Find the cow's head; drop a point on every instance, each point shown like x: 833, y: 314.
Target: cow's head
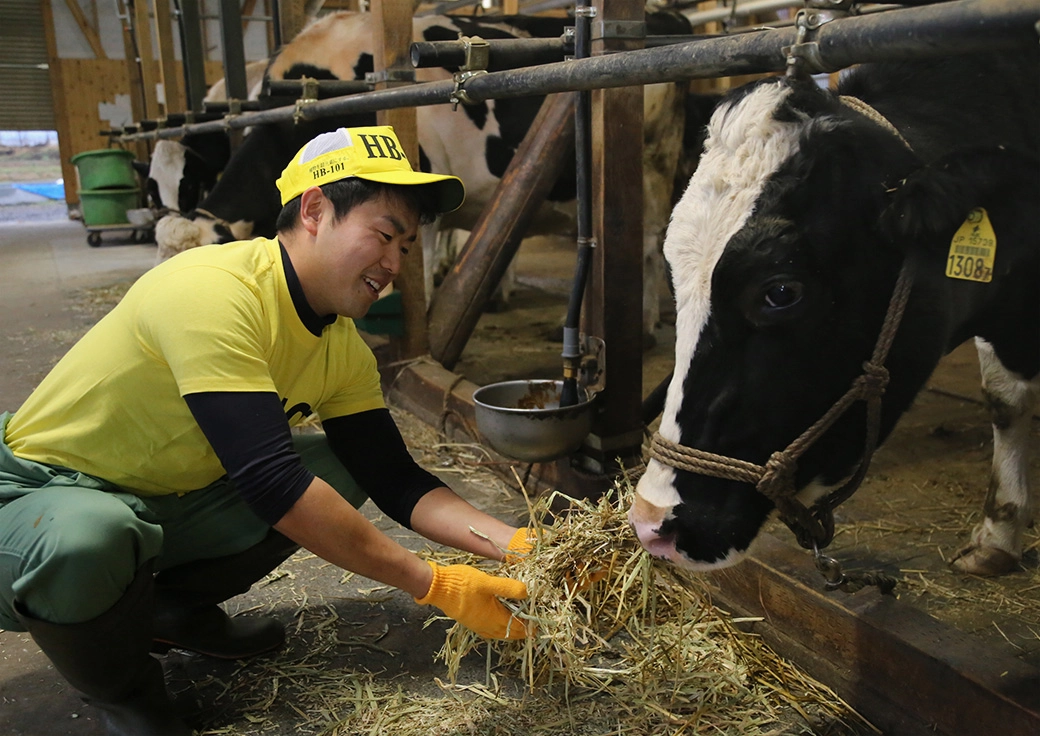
x: 782, y: 277
x: 183, y: 173
x: 175, y: 233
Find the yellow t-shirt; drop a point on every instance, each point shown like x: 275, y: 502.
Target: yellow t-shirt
x: 216, y: 318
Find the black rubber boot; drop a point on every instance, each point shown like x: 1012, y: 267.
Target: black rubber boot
x: 187, y: 614
x: 107, y: 659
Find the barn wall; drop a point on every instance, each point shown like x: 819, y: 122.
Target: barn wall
x: 90, y: 78
x: 95, y: 95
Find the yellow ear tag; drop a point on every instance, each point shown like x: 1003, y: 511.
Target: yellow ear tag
x: 972, y: 249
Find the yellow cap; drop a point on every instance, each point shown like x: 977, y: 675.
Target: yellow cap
x: 371, y: 153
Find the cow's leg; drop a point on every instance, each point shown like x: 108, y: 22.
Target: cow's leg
x: 996, y: 542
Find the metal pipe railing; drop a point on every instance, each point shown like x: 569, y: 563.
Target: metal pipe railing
x: 958, y: 27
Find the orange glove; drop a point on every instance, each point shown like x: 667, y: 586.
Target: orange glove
x: 520, y: 545
x: 584, y: 575
x: 468, y: 595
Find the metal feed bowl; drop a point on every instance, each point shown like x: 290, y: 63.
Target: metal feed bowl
x: 523, y: 419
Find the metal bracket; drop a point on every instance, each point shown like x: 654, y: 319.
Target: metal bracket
x: 308, y: 95
x: 234, y: 110
x: 803, y: 56
x: 372, y: 79
x: 478, y: 53
x: 585, y: 11
x: 628, y: 30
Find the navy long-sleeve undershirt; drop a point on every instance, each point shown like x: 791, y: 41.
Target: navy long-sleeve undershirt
x: 250, y: 435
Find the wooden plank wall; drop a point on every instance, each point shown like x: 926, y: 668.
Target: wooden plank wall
x: 84, y: 85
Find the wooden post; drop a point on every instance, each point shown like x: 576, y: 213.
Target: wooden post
x: 89, y: 31
x: 143, y: 36
x: 292, y: 17
x: 61, y: 115
x: 496, y: 236
x: 135, y: 84
x: 171, y: 81
x: 393, y: 41
x: 613, y: 307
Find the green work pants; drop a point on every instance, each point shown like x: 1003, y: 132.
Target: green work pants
x: 70, y: 544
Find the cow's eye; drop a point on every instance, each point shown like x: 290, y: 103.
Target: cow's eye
x: 774, y: 301
x: 782, y: 294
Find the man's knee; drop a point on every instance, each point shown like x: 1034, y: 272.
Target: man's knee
x: 80, y: 555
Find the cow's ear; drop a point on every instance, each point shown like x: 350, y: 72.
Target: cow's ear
x: 928, y: 206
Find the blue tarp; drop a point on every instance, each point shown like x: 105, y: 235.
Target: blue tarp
x: 51, y: 190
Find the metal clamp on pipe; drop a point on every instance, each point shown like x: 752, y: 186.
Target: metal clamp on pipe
x: 803, y: 56
x: 234, y: 110
x: 477, y: 55
x: 308, y: 95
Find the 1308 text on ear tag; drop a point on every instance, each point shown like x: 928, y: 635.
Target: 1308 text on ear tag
x: 972, y: 249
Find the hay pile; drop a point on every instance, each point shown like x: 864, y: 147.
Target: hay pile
x: 644, y: 643
x: 641, y: 652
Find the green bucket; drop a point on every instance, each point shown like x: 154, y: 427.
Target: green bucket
x: 108, y: 206
x: 105, y: 168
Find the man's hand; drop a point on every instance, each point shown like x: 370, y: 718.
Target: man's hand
x: 519, y: 546
x: 578, y: 580
x: 470, y: 596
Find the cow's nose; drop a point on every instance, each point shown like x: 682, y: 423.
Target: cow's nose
x: 646, y: 523
x: 658, y: 545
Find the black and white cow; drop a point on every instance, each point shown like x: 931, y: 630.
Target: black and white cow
x: 784, y: 250
x: 475, y: 143
x: 182, y: 173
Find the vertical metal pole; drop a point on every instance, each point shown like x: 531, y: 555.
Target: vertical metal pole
x: 572, y: 351
x: 193, y: 56
x: 234, y: 49
x: 276, y: 25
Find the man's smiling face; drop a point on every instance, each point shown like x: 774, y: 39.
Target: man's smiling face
x: 361, y: 253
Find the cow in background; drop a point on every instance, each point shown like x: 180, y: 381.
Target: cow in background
x: 784, y: 251
x: 475, y: 143
x: 181, y: 173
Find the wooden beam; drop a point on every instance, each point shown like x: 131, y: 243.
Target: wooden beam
x: 88, y: 31
x: 496, y: 236
x: 146, y: 58
x: 247, y: 9
x: 614, y: 298
x: 171, y: 80
x: 393, y: 42
x: 292, y: 17
x: 905, y: 671
x: 61, y: 112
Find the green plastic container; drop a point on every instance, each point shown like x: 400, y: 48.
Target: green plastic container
x: 108, y: 206
x: 107, y: 168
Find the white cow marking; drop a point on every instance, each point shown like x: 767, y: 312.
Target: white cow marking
x: 745, y: 146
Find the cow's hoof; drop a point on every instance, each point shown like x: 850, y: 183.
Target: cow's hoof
x: 984, y: 561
